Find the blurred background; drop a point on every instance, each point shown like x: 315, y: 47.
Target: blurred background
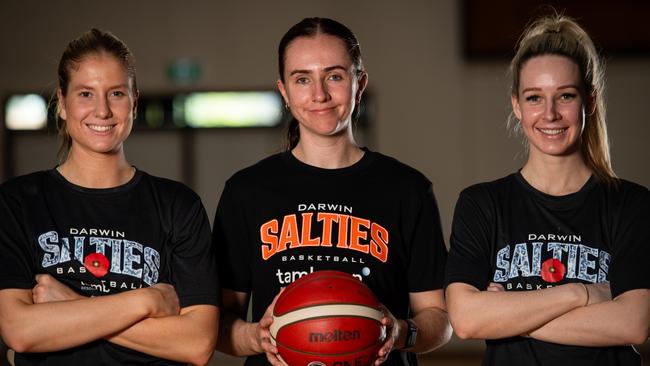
x: 437, y: 96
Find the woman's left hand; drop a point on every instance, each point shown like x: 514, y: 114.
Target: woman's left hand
x: 392, y: 334
x: 48, y: 289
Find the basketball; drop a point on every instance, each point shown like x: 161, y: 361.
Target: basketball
x: 327, y: 318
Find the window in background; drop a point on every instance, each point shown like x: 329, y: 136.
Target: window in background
x: 26, y: 112
x: 229, y: 109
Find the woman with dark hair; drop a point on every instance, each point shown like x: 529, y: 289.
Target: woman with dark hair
x: 326, y: 203
x: 100, y: 260
x: 550, y: 264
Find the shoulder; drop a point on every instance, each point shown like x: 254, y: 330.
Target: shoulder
x: 490, y: 189
x: 391, y: 168
x: 626, y: 193
x: 29, y: 184
x: 168, y: 188
x: 251, y: 175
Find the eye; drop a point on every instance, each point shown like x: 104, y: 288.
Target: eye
x: 302, y: 81
x: 533, y: 98
x: 568, y: 96
x: 118, y: 93
x: 85, y: 94
x: 335, y: 77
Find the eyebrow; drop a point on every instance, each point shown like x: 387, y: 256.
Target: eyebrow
x: 567, y: 86
x: 327, y: 69
x: 118, y: 86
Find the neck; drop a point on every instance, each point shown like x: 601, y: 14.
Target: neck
x: 556, y: 175
x: 333, y: 152
x: 97, y: 170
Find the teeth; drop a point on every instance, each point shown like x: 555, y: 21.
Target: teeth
x: 99, y: 128
x: 553, y: 131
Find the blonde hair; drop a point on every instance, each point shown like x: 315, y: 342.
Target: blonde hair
x: 561, y: 35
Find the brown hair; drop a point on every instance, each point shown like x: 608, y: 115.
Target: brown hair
x: 563, y: 36
x: 310, y: 27
x: 94, y: 41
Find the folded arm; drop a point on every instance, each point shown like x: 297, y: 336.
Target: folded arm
x: 190, y: 336
x: 54, y: 326
x: 187, y: 337
x: 623, y: 320
x: 479, y: 314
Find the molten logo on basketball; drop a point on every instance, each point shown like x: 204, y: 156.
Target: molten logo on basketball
x: 335, y: 336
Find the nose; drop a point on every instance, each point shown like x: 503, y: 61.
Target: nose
x: 551, y: 112
x: 103, y: 109
x: 320, y: 92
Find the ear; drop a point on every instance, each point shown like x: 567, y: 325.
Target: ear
x: 362, y: 83
x: 515, y: 106
x: 61, y: 101
x: 282, y: 91
x: 136, y: 96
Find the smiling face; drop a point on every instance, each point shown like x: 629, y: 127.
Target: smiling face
x: 99, y: 105
x: 550, y: 105
x: 321, y: 85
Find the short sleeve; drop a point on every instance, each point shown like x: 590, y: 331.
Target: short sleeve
x: 629, y: 264
x: 193, y: 265
x: 16, y: 255
x: 230, y: 237
x: 428, y: 253
x: 469, y: 252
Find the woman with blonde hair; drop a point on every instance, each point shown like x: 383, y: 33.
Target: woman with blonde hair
x: 549, y: 264
x: 100, y: 260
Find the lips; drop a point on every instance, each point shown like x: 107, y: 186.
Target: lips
x: 552, y: 131
x: 100, y: 128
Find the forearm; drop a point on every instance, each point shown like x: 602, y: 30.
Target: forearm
x: 624, y: 320
x: 189, y: 337
x: 434, y: 330
x: 492, y: 315
x: 53, y: 326
x: 237, y: 337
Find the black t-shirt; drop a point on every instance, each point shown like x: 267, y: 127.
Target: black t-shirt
x: 377, y: 220
x: 105, y: 241
x: 509, y: 233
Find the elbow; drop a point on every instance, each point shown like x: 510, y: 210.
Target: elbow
x: 202, y: 351
x: 638, y: 335
x: 17, y: 342
x: 464, y: 329
x: 201, y: 359
x: 16, y: 337
x: 464, y: 333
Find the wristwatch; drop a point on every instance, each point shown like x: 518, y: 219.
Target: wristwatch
x: 411, y: 334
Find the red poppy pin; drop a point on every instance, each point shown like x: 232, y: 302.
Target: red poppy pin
x: 97, y: 264
x: 553, y: 270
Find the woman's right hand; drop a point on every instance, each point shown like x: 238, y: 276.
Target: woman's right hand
x: 165, y: 300
x: 263, y: 336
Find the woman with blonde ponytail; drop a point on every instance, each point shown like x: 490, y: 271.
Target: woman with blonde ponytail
x: 549, y: 264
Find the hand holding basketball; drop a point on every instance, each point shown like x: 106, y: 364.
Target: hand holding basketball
x: 392, y: 330
x: 264, y: 335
